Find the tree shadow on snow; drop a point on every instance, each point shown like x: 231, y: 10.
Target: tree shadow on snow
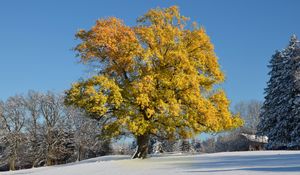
x: 270, y: 169
x: 267, y: 163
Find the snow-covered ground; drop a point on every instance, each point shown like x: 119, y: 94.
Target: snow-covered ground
x: 228, y: 163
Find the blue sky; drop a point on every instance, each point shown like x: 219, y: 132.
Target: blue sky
x: 37, y: 37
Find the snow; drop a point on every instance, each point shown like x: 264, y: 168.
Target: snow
x: 227, y: 163
x: 256, y: 138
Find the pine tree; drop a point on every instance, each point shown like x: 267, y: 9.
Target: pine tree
x: 294, y: 119
x: 269, y: 110
x: 279, y: 110
x: 185, y: 145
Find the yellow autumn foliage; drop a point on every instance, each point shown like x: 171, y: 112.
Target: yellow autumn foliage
x: 157, y: 77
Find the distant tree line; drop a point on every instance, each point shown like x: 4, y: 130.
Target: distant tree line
x: 37, y: 129
x: 234, y: 140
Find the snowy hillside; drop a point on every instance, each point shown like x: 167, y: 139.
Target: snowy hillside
x: 254, y: 163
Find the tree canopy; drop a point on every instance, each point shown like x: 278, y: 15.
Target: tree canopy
x: 155, y: 78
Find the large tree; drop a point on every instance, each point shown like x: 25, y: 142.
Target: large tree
x: 273, y: 96
x: 156, y: 78
x: 279, y: 119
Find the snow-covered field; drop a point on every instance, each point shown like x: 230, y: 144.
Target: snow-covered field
x: 229, y: 163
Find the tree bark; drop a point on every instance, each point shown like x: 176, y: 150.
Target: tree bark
x: 48, y: 161
x: 79, y: 153
x: 12, y: 164
x: 142, y: 146
x: 12, y: 161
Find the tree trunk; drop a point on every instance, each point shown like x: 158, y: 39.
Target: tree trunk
x: 79, y: 153
x: 12, y: 164
x: 142, y: 146
x: 48, y: 161
x: 34, y: 163
x: 12, y: 161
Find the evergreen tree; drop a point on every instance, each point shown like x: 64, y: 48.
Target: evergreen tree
x: 185, y: 145
x: 294, y: 118
x: 269, y: 112
x: 279, y: 111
